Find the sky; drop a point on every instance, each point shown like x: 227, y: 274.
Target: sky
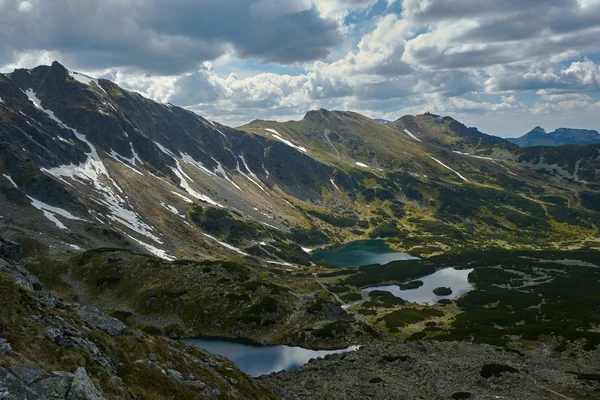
x: 502, y: 66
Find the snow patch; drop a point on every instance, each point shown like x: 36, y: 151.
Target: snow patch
x: 10, y: 180
x: 187, y: 200
x: 74, y: 246
x: 334, y: 185
x: 277, y: 136
x: 120, y: 159
x: 154, y: 250
x: 253, y: 178
x: 190, y: 160
x: 183, y: 178
x: 447, y: 167
x: 51, y: 212
x: 220, y: 171
x: 362, y: 165
x: 307, y: 250
x: 94, y: 171
x: 411, y: 135
x: 86, y: 80
x: 172, y: 209
x: 226, y: 245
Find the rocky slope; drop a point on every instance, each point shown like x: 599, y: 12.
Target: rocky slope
x: 50, y: 349
x: 439, y: 370
x: 539, y: 137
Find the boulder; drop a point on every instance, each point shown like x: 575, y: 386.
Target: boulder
x: 5, y: 347
x: 11, y: 388
x: 83, y: 388
x: 54, y: 388
x: 28, y: 373
x: 96, y: 319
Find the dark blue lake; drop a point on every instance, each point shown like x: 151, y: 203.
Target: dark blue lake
x: 360, y: 252
x: 256, y: 360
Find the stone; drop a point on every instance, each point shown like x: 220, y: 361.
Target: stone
x: 5, y: 347
x: 96, y: 319
x: 83, y: 388
x: 53, y: 388
x: 28, y: 373
x: 11, y: 388
x: 175, y: 374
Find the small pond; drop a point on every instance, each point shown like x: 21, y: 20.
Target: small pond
x: 455, y: 279
x: 361, y: 252
x: 256, y: 360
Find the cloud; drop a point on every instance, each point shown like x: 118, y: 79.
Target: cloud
x: 164, y: 37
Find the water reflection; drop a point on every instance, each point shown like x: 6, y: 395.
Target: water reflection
x: 455, y: 279
x: 360, y: 252
x: 258, y: 360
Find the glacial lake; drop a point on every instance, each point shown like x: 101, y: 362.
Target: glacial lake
x: 361, y: 252
x: 455, y: 279
x: 256, y: 360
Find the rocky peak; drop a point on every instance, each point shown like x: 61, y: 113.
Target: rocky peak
x: 538, y: 129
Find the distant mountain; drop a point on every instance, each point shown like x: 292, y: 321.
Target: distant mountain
x: 539, y: 137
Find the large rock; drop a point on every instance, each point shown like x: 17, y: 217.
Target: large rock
x: 28, y: 373
x: 11, y: 388
x: 83, y: 388
x: 5, y: 348
x: 54, y: 388
x: 96, y: 319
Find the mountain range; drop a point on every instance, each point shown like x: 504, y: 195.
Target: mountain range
x: 99, y: 166
x: 164, y: 224
x: 539, y: 137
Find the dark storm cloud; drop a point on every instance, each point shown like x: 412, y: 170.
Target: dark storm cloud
x: 165, y: 36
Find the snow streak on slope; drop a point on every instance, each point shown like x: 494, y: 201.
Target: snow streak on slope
x: 277, y: 136
x: 93, y: 171
x: 51, y: 212
x: 487, y: 159
x: 447, y: 167
x: 362, y: 165
x: 10, y: 180
x: 154, y: 250
x: 226, y: 245
x: 411, y: 135
x: 183, y: 178
x: 252, y: 178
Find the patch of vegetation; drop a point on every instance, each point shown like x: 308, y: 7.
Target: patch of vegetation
x: 417, y: 336
x: 496, y: 370
x: 386, y: 299
x: 350, y: 297
x: 340, y: 221
x: 408, y: 316
x: 410, y: 285
x: 393, y: 272
x: 461, y: 395
x: 392, y: 358
x: 442, y: 291
x: 332, y: 330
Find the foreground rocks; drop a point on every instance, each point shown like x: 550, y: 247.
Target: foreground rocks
x: 440, y: 370
x: 50, y: 349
